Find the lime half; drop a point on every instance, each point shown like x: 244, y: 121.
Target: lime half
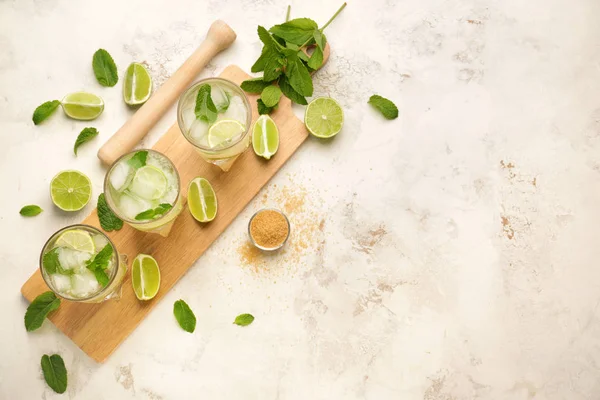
x: 202, y: 200
x: 76, y: 239
x: 70, y: 190
x: 265, y: 137
x: 324, y: 117
x: 223, y: 132
x: 149, y: 182
x: 82, y: 105
x: 145, y: 277
x: 137, y: 85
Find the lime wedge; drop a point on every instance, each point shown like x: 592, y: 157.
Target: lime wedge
x: 324, y: 117
x: 137, y: 85
x: 145, y: 277
x: 223, y: 132
x: 265, y: 137
x: 202, y: 200
x: 149, y: 183
x: 76, y: 239
x: 70, y: 190
x: 82, y: 105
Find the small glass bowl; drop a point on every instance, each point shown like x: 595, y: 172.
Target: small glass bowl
x: 284, y: 240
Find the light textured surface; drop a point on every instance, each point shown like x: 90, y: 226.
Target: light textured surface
x: 450, y: 254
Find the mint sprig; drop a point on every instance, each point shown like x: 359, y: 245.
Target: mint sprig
x: 52, y: 265
x: 45, y: 110
x: 39, y: 309
x: 30, y: 210
x: 205, y: 108
x: 99, y: 264
x: 84, y: 136
x: 108, y: 220
x: 184, y: 316
x: 387, y: 108
x: 105, y: 68
x: 154, y: 212
x: 55, y: 372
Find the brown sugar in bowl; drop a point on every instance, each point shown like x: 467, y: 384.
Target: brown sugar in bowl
x: 269, y: 229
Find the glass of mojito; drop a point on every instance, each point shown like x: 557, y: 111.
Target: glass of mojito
x: 80, y: 263
x: 215, y: 116
x: 143, y: 189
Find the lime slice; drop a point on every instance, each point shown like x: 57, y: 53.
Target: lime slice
x: 70, y: 190
x: 265, y: 137
x: 149, y: 183
x: 324, y: 117
x: 137, y: 85
x: 145, y: 277
x: 82, y: 105
x: 76, y: 239
x: 202, y: 200
x: 224, y: 132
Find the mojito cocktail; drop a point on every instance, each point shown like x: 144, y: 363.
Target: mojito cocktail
x: 142, y: 188
x: 214, y: 115
x: 80, y: 263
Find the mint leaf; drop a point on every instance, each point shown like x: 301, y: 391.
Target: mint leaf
x: 184, y: 316
x: 271, y: 95
x: 85, y: 135
x: 99, y: 264
x: 297, y: 31
x: 262, y: 108
x: 138, y: 160
x: 320, y: 39
x: 255, y: 85
x: 39, y: 308
x: 154, y: 213
x: 108, y: 220
x: 50, y: 261
x: 385, y: 106
x: 316, y: 60
x: 298, y: 76
x: 44, y: 111
x: 289, y: 91
x: 266, y: 54
x: 267, y: 39
x: 55, y: 372
x: 205, y: 109
x: 30, y: 211
x: 105, y: 68
x: 244, y: 319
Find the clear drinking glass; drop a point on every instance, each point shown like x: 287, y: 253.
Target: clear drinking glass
x: 144, y: 191
x: 64, y: 265
x: 222, y: 136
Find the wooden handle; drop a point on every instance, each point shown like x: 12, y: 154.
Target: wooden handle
x: 219, y: 37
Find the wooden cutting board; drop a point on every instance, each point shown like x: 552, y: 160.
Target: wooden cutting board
x: 99, y: 328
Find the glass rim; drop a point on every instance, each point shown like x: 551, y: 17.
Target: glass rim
x: 284, y: 240
x: 76, y: 226
x: 181, y: 124
x: 114, y: 208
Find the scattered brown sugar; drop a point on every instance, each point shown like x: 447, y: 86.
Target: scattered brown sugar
x: 269, y: 229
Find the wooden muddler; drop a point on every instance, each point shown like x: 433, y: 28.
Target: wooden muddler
x: 219, y: 37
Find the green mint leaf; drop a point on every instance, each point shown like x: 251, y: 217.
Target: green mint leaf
x: 101, y: 260
x: 316, y: 60
x: 266, y: 53
x: 44, y: 111
x: 147, y: 214
x: 108, y: 220
x: 101, y: 277
x: 105, y: 68
x: 163, y: 208
x: 154, y: 212
x: 184, y: 316
x: 30, y: 210
x: 298, y: 76
x: 273, y: 67
x: 255, y: 85
x: 385, y: 106
x: 50, y: 261
x: 270, y: 96
x: 289, y: 91
x: 302, y: 55
x: 292, y: 46
x: 85, y: 135
x: 244, y: 319
x: 39, y: 309
x: 320, y: 39
x: 267, y: 39
x: 297, y: 31
x: 55, y: 372
x: 205, y: 109
x: 138, y: 160
x: 262, y: 108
